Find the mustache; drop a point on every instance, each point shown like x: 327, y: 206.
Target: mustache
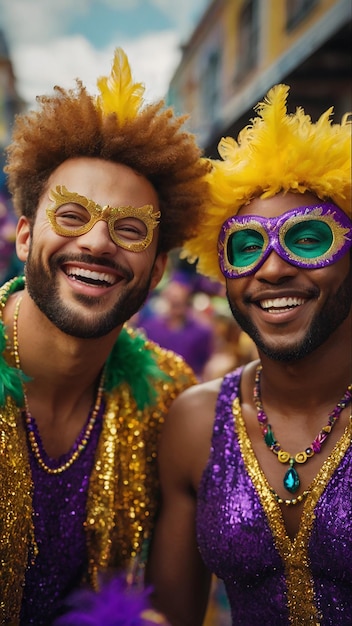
x: 60, y: 259
x: 312, y: 292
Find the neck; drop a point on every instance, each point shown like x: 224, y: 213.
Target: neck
x: 59, y: 358
x: 319, y: 377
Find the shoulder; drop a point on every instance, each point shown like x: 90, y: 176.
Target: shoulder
x: 192, y: 413
x: 199, y: 395
x: 198, y: 402
x: 186, y: 435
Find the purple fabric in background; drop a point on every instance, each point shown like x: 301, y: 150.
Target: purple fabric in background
x: 193, y: 341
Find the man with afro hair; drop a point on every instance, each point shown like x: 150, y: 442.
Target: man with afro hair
x: 103, y: 186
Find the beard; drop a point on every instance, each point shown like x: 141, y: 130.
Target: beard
x: 42, y: 285
x: 326, y: 321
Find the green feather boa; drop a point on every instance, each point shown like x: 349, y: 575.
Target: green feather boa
x: 130, y: 361
x: 11, y: 379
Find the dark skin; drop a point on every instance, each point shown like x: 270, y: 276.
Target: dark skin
x: 297, y: 396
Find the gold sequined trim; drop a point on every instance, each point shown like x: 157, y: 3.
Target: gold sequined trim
x: 300, y: 592
x: 16, y: 526
x: 123, y: 492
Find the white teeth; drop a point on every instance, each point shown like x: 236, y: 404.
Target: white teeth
x: 99, y: 276
x: 281, y: 303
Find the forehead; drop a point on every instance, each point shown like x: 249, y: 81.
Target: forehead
x: 278, y: 204
x: 104, y: 182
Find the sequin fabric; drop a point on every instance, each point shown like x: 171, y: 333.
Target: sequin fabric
x: 59, y: 507
x: 271, y: 580
x: 16, y: 526
x: 120, y: 502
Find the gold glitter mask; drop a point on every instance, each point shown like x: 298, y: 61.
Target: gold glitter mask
x: 72, y: 215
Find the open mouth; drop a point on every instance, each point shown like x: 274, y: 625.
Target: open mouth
x: 89, y: 277
x: 280, y: 305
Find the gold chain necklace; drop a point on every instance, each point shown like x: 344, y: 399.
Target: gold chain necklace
x: 82, y: 442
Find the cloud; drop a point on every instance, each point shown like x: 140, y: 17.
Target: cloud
x: 35, y: 20
x: 162, y: 46
x: 44, y: 54
x: 63, y: 60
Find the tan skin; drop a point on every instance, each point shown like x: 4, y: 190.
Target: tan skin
x: 297, y: 397
x: 65, y: 369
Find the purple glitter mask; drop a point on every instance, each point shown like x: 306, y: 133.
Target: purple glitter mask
x: 309, y: 237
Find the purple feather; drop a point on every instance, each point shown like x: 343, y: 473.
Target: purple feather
x: 116, y: 604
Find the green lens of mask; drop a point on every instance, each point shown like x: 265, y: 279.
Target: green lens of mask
x: 308, y: 239
x: 244, y: 247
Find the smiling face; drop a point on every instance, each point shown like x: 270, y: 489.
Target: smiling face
x: 88, y: 285
x: 287, y: 310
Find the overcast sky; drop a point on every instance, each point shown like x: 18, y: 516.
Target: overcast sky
x: 55, y: 41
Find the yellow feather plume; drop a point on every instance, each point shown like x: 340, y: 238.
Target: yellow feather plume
x: 276, y: 152
x: 118, y: 93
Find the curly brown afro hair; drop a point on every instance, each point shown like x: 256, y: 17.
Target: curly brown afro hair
x: 68, y: 124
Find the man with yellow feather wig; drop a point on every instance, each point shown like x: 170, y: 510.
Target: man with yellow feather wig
x: 104, y: 186
x: 256, y: 467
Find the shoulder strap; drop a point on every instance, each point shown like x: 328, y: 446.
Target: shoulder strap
x: 228, y: 392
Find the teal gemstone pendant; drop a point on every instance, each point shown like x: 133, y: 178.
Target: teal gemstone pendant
x: 291, y: 480
x: 269, y: 436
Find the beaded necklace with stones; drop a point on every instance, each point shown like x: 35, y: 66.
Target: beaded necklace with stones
x: 83, y: 439
x: 291, y: 480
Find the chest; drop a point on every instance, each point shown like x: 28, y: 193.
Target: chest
x: 241, y: 490
x: 241, y: 527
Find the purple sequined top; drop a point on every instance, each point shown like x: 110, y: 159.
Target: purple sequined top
x: 59, y: 504
x: 269, y: 579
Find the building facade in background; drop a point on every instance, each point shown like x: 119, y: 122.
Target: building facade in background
x: 241, y: 48
x: 10, y: 101
x: 10, y: 104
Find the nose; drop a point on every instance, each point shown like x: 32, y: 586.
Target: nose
x: 275, y: 270
x: 97, y: 240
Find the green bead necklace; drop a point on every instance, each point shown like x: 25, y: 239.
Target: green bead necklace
x: 291, y: 480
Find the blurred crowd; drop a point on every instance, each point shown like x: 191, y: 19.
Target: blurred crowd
x: 9, y: 264
x: 190, y: 315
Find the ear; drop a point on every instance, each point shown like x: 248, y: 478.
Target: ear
x: 158, y: 269
x: 23, y: 238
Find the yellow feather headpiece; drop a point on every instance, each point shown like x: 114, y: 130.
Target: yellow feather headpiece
x: 276, y: 152
x: 118, y: 93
